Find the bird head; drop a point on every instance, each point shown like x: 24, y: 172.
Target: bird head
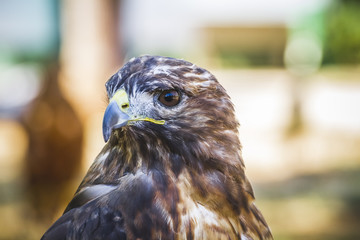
x: 171, y: 103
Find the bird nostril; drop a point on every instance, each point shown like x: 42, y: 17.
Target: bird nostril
x: 125, y: 106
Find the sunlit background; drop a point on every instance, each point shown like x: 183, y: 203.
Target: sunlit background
x: 292, y: 69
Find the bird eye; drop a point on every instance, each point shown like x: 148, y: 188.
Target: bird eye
x: 169, y: 98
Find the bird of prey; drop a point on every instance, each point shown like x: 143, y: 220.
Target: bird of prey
x: 171, y: 167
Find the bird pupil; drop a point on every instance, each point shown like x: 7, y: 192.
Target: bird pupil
x: 169, y: 97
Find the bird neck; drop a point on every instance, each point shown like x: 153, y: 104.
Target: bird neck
x: 134, y: 149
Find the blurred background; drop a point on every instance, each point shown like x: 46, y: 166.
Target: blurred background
x: 292, y: 69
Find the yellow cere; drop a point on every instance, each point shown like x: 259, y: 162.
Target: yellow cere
x: 122, y: 100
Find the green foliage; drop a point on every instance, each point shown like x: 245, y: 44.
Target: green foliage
x: 342, y: 29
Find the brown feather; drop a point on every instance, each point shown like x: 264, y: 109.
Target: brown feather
x: 184, y: 179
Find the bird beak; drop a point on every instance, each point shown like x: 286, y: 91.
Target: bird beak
x: 115, y: 115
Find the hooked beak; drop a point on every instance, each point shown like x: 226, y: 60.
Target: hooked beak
x: 115, y: 115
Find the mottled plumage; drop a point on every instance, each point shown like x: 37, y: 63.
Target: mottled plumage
x: 172, y: 169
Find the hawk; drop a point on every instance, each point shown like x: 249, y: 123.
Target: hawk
x: 171, y: 167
